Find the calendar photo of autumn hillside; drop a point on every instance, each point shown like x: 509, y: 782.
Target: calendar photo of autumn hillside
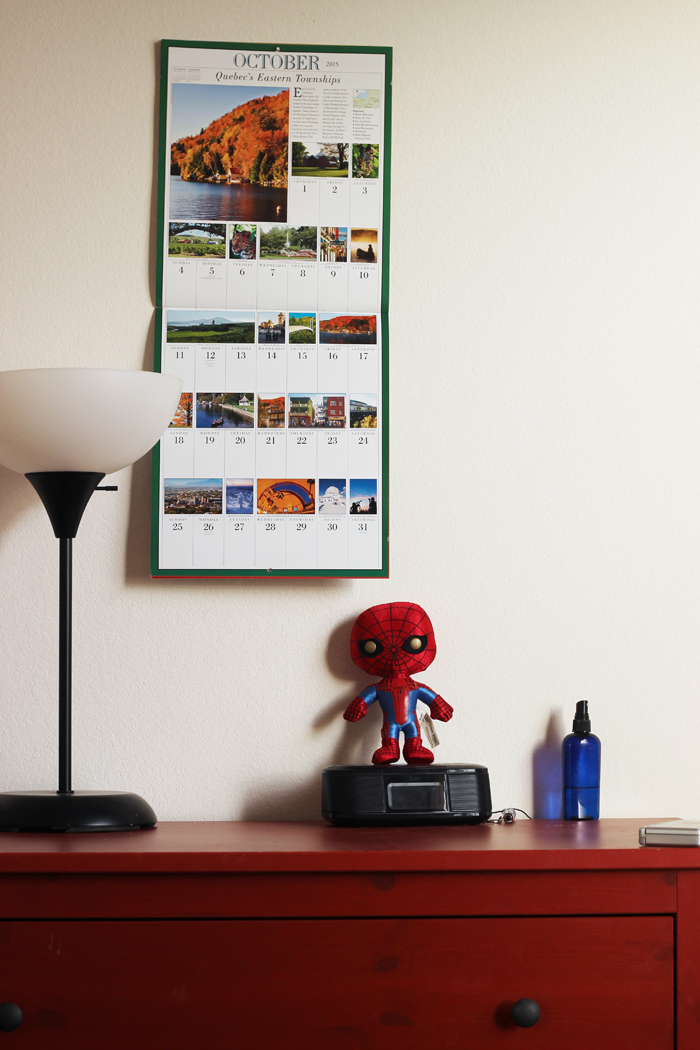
x: 341, y: 328
x: 228, y: 154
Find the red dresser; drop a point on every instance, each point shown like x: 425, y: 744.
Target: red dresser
x: 289, y: 936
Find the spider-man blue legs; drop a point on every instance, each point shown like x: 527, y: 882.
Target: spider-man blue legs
x: 413, y: 751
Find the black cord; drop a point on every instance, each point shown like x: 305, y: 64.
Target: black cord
x: 507, y: 815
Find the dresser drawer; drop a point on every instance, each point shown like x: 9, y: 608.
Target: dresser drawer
x: 399, y: 984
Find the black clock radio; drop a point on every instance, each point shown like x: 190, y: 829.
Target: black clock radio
x: 386, y: 795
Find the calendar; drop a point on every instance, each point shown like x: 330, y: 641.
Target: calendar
x: 272, y: 301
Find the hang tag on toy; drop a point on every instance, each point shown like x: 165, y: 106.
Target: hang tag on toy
x: 428, y: 731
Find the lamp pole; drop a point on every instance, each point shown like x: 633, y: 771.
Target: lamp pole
x: 65, y: 494
x: 65, y: 646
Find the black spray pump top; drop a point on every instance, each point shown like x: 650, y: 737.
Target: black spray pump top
x: 582, y: 723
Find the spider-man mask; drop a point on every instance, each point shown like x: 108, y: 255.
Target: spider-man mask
x: 393, y: 640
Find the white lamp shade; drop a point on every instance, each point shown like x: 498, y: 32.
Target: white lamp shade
x: 87, y: 419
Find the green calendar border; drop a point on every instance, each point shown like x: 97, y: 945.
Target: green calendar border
x: 382, y: 572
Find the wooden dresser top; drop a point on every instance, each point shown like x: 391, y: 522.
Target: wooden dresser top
x: 222, y: 846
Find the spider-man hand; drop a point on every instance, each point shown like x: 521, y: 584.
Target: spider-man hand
x: 356, y: 710
x: 440, y: 710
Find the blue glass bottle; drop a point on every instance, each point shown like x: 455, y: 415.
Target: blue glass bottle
x: 581, y: 768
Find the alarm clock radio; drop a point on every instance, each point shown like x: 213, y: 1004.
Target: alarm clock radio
x: 386, y: 795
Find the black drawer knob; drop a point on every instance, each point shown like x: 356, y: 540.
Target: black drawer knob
x: 525, y: 1013
x: 10, y: 1017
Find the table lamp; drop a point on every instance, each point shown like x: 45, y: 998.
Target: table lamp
x: 64, y: 429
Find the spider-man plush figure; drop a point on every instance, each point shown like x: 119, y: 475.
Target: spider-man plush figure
x: 394, y: 641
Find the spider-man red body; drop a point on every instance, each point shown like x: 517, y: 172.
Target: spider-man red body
x: 394, y: 641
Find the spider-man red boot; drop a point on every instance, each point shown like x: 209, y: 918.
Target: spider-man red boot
x: 416, y: 754
x: 388, y: 752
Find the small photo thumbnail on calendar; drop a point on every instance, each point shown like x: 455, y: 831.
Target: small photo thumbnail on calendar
x: 286, y: 495
x: 332, y: 496
x: 203, y: 240
x: 334, y: 244
x: 239, y: 496
x: 228, y: 411
x: 363, y: 412
x: 228, y: 155
x: 183, y: 412
x: 288, y: 242
x: 365, y: 98
x: 347, y: 328
x: 363, y: 246
x: 365, y: 160
x: 320, y: 159
x: 200, y: 326
x: 302, y: 328
x: 242, y: 241
x: 271, y: 411
x: 192, y: 495
x: 271, y: 327
x: 363, y: 496
x: 316, y: 410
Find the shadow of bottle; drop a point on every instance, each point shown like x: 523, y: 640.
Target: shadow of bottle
x: 546, y: 772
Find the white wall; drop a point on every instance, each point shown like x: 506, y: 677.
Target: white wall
x: 545, y: 306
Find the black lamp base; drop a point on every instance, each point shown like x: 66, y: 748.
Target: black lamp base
x: 74, y: 811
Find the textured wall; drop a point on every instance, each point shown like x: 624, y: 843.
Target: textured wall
x: 544, y: 301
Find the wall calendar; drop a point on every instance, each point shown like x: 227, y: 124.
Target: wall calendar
x: 272, y: 300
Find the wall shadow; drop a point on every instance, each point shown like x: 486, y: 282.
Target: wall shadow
x: 546, y: 771
x: 17, y: 497
x: 153, y: 245
x: 354, y: 746
x: 285, y: 802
